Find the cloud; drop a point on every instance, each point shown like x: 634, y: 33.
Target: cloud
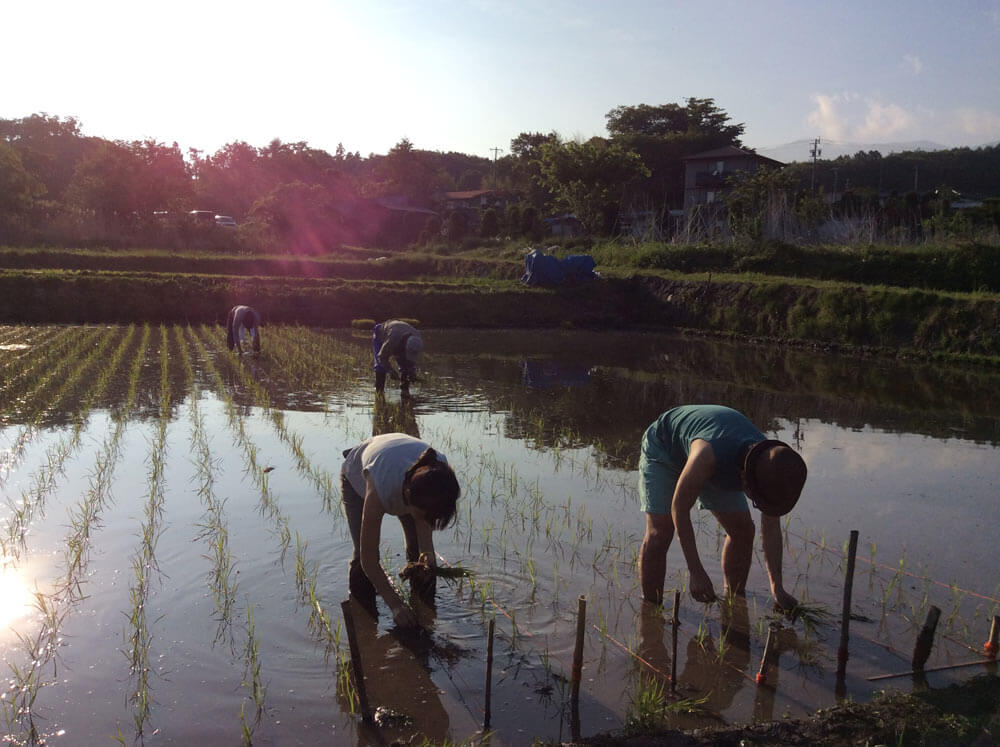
x: 913, y: 63
x: 849, y: 117
x: 825, y: 117
x: 883, y: 121
x: 979, y: 123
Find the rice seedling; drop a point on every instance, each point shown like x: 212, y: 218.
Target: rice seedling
x: 651, y: 706
x: 702, y: 635
x: 27, y: 679
x: 213, y: 529
x: 138, y: 635
x: 44, y: 481
x: 252, y: 669
x: 812, y: 616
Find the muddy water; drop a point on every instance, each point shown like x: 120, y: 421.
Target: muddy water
x: 176, y: 509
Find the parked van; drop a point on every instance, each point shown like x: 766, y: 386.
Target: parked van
x: 202, y: 216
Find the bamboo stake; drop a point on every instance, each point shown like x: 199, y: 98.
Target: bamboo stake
x: 845, y: 618
x: 992, y: 644
x: 925, y: 639
x: 942, y: 668
x: 581, y: 623
x: 359, y: 675
x: 674, y: 624
x: 489, y: 672
x: 766, y: 657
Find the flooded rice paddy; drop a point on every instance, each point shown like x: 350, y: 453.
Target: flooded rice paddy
x: 174, y: 554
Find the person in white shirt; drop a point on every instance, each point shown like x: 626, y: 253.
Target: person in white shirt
x: 402, y: 476
x: 243, y: 321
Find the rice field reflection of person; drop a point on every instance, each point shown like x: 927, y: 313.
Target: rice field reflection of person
x: 402, y: 476
x: 398, y: 682
x: 715, y: 456
x: 654, y: 638
x: 718, y: 669
x: 399, y: 340
x: 391, y: 417
x: 241, y: 322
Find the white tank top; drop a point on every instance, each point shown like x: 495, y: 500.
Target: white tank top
x: 386, y: 459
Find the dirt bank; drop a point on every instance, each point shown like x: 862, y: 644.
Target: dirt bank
x: 966, y: 714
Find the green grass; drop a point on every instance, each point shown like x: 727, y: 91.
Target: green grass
x: 931, y: 300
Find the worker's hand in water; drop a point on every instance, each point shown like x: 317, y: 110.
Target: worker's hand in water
x: 422, y: 578
x: 403, y: 617
x: 701, y: 587
x: 784, y: 601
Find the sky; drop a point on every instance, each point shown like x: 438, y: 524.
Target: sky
x: 470, y: 75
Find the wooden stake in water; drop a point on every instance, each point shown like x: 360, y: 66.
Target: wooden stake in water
x: 359, y: 675
x: 993, y: 643
x: 674, y: 624
x: 489, y: 672
x: 925, y: 639
x: 845, y: 617
x: 581, y: 623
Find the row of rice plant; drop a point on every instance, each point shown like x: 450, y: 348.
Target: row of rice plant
x: 537, y: 522
x: 41, y: 648
x: 50, y: 375
x: 217, y: 535
x: 138, y: 635
x: 44, y: 480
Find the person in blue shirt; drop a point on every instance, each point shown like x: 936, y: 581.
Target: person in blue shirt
x: 399, y: 340
x: 714, y: 456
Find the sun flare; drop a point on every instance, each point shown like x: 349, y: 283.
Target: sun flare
x: 15, y: 598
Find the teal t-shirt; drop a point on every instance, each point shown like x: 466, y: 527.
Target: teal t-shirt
x: 728, y: 431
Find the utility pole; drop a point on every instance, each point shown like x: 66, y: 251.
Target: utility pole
x: 496, y: 151
x: 815, y: 152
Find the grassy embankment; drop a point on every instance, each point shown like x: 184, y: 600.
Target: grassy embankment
x: 926, y: 301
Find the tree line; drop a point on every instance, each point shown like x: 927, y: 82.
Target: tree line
x: 61, y: 187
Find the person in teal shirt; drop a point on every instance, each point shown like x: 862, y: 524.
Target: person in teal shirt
x: 714, y: 455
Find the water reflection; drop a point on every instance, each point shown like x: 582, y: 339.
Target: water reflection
x: 399, y: 685
x: 394, y: 417
x: 16, y: 600
x: 547, y: 373
x: 905, y: 451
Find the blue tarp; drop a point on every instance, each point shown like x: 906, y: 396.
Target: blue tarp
x: 544, y: 269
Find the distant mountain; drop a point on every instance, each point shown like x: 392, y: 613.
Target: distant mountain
x: 800, y: 150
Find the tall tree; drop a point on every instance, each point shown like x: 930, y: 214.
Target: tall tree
x: 19, y: 191
x: 663, y: 136
x: 589, y: 179
x: 695, y: 117
x: 526, y: 169
x: 50, y: 148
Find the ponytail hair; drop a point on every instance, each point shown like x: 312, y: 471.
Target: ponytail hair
x: 431, y: 486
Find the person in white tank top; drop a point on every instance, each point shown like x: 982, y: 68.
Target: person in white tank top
x: 402, y: 476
